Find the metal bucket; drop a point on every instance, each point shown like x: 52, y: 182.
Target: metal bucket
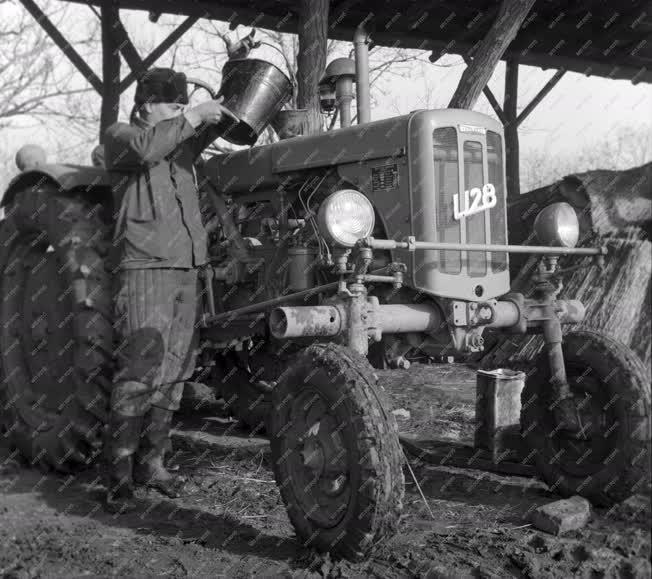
x: 290, y: 123
x: 254, y: 90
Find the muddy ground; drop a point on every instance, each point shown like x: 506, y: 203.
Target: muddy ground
x: 234, y: 524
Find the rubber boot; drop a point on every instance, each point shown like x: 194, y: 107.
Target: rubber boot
x: 149, y: 469
x: 121, y: 444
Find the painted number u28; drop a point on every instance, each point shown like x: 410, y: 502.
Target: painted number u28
x: 474, y: 201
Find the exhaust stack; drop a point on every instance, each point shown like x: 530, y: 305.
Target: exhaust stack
x: 363, y: 99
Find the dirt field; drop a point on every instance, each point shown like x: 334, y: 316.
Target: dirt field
x: 234, y: 524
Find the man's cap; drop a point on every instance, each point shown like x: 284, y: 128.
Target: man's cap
x: 162, y: 85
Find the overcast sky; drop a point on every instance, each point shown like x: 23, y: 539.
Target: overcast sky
x: 579, y: 111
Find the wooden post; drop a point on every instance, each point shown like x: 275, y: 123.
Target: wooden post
x: 511, y: 129
x: 489, y: 51
x: 110, y: 67
x: 311, y: 60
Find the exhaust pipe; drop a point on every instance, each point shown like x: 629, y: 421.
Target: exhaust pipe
x: 363, y: 99
x: 333, y: 320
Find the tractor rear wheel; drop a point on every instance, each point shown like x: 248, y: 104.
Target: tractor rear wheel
x: 609, y: 459
x: 56, y: 335
x: 336, y: 453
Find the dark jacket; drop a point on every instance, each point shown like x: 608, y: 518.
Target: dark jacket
x: 155, y: 196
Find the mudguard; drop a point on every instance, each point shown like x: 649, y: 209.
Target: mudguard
x: 63, y: 176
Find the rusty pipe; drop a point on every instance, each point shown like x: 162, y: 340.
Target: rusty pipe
x: 506, y: 315
x: 301, y: 321
x: 311, y: 321
x: 403, y: 318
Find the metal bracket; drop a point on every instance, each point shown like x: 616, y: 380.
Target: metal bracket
x: 460, y: 317
x: 411, y: 243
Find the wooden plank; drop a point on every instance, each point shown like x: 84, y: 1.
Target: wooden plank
x: 311, y: 60
x: 149, y: 60
x: 540, y: 96
x: 511, y: 129
x: 445, y: 453
x: 53, y: 32
x: 510, y: 16
x: 110, y: 67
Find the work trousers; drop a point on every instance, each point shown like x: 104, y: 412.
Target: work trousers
x: 156, y: 314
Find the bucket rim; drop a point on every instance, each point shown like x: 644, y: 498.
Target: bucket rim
x: 236, y: 60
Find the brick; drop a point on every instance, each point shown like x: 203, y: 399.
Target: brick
x: 562, y: 516
x: 636, y: 508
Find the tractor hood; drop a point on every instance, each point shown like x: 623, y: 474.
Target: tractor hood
x: 269, y: 165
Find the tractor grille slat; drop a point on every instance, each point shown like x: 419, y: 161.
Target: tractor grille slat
x: 445, y: 154
x: 497, y: 214
x: 475, y: 224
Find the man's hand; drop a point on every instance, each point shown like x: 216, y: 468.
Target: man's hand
x: 210, y: 112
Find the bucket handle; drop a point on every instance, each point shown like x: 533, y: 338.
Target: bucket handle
x: 245, y: 45
x: 200, y: 83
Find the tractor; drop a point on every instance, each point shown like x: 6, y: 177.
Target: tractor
x: 351, y: 247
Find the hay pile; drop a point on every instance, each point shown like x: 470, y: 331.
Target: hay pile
x: 615, y: 209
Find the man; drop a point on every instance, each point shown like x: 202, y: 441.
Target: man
x: 159, y: 243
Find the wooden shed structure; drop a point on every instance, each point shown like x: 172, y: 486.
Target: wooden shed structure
x: 591, y: 37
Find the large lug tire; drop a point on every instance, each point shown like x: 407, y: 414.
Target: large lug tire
x: 336, y: 454
x: 56, y: 334
x: 611, y: 388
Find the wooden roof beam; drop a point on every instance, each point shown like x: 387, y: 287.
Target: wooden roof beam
x: 540, y: 96
x: 53, y: 32
x: 149, y: 60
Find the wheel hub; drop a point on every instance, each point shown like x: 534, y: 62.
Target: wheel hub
x: 313, y: 455
x: 320, y: 459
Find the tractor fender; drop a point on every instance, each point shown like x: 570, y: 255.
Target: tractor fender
x: 63, y: 177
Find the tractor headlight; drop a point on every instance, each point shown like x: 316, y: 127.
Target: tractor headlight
x: 346, y: 216
x: 557, y: 225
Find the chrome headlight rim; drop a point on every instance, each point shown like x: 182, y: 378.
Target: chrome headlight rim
x: 557, y: 225
x: 334, y: 228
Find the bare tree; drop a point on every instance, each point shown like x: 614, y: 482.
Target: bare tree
x: 624, y: 148
x: 36, y: 81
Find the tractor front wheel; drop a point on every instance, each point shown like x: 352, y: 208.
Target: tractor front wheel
x: 608, y: 459
x: 336, y: 454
